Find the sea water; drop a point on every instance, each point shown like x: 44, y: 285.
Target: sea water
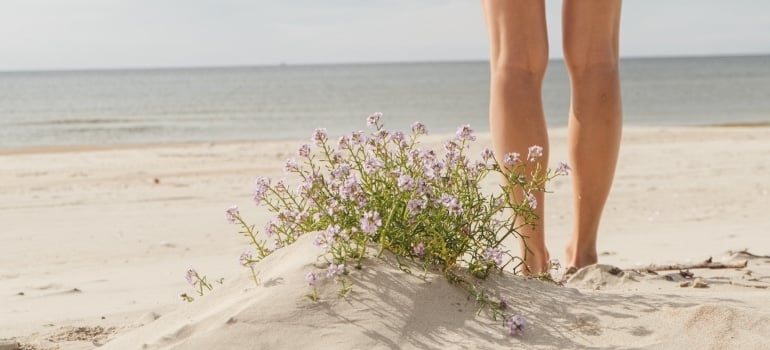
x: 96, y: 107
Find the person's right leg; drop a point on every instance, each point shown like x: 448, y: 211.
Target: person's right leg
x: 518, y: 57
x: 590, y: 34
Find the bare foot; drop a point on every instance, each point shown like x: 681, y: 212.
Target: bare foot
x: 536, y: 263
x: 579, y: 259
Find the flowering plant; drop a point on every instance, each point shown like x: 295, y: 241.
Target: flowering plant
x: 384, y: 191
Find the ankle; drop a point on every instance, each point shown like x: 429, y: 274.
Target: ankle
x: 535, y: 262
x: 580, y: 256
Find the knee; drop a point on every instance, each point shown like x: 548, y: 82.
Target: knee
x: 518, y: 71
x: 593, y: 67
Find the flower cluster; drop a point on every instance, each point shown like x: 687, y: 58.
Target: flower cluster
x: 385, y: 189
x: 197, y: 281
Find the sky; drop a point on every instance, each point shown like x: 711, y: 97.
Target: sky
x: 88, y: 34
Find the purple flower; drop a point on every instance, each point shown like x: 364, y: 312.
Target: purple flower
x: 562, y: 169
x: 305, y: 188
x: 418, y: 128
x: 494, y: 255
x: 335, y: 270
x: 433, y: 169
x: 263, y: 185
x: 531, y: 200
x: 311, y: 278
x: 487, y: 154
x: 510, y: 159
x: 304, y: 151
x: 246, y: 259
x: 191, y: 276
x: 451, y: 146
x: 328, y: 237
x: 319, y: 136
x: 504, y: 303
x: 291, y: 166
x: 405, y: 182
x: 373, y: 119
x: 343, y: 142
x: 231, y: 214
x: 280, y: 186
x: 477, y: 167
x: 516, y: 325
x: 331, y: 206
x: 423, y: 187
x: 452, y: 204
x: 372, y: 165
x: 351, y: 189
x: 340, y: 172
x: 415, y: 206
x: 357, y: 138
x: 336, y: 157
x: 370, y: 222
x: 555, y: 264
x: 271, y: 228
x: 427, y: 156
x: 382, y: 135
x: 419, y: 250
x: 535, y: 152
x: 465, y: 132
x: 397, y: 137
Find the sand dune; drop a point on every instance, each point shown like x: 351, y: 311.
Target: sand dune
x: 390, y: 309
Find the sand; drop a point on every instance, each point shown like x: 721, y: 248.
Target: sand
x: 94, y: 243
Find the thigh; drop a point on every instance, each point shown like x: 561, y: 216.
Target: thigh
x: 517, y: 33
x: 591, y: 31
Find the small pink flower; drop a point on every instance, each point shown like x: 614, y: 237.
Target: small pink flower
x: 419, y: 128
x: 335, y: 270
x: 291, y: 166
x: 191, y: 276
x: 419, y: 250
x: 231, y: 214
x: 531, y: 200
x: 370, y: 222
x: 304, y: 151
x: 516, y: 325
x: 319, y: 136
x: 562, y: 169
x: 465, y: 133
x: 535, y: 152
x: 494, y: 255
x: 511, y: 159
x: 311, y: 278
x: 246, y: 259
x: 487, y: 154
x: 373, y: 119
x: 405, y: 182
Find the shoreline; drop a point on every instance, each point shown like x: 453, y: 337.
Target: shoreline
x: 46, y: 149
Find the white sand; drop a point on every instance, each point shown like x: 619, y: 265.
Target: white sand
x: 92, y: 241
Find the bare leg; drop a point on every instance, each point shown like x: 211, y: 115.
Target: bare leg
x: 518, y: 59
x: 591, y: 30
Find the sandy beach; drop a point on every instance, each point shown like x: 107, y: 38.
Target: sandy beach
x: 94, y: 243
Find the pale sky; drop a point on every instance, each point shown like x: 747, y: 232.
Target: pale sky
x: 77, y: 34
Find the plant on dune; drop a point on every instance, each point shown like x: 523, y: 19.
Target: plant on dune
x: 383, y: 190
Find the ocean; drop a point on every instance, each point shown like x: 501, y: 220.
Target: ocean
x: 138, y: 106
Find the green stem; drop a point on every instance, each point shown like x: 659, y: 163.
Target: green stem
x: 254, y: 275
x: 386, y: 226
x: 250, y: 231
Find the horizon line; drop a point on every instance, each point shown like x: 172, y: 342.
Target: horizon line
x: 343, y: 63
